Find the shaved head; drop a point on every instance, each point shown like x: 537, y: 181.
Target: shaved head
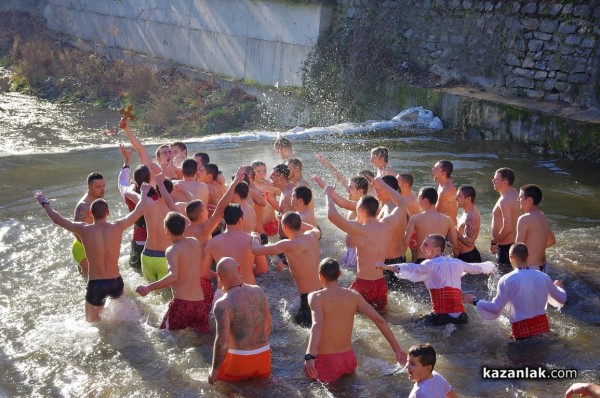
x: 227, y: 267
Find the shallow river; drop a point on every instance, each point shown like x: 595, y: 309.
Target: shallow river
x: 48, y: 350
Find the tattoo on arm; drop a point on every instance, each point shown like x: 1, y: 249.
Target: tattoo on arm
x: 221, y: 338
x: 81, y: 212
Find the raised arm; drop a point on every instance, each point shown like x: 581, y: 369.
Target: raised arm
x: 222, y: 326
x: 145, y: 158
x: 338, y: 176
x: 130, y: 219
x: 179, y: 207
x: 125, y: 172
x: 383, y: 327
x: 225, y: 200
x: 351, y: 227
x: 395, y: 196
x: 75, y: 227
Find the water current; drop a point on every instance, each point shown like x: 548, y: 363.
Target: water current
x: 48, y: 350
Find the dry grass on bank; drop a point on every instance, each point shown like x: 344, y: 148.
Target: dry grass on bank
x: 166, y: 101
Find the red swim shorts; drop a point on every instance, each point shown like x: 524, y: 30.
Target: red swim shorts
x: 331, y: 367
x: 374, y: 292
x: 271, y: 228
x: 242, y: 365
x: 207, y: 290
x: 183, y: 314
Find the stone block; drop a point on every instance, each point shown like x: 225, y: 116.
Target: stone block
x: 541, y: 65
x: 573, y: 40
x: 566, y: 50
x: 408, y: 33
x: 457, y: 39
x: 578, y: 78
x: 548, y: 25
x: 535, y: 45
x: 489, y: 6
x: 431, y: 46
x: 528, y: 36
x: 539, y: 75
x: 538, y: 56
x: 552, y: 97
x: 597, y: 12
x: 436, y: 54
x: 563, y: 87
x: 567, y: 9
x: 514, y: 24
x: 528, y: 73
x: 549, y: 84
x: 582, y: 10
x: 519, y: 45
x: 524, y: 82
x: 588, y: 42
x: 467, y: 4
x: 527, y: 63
x: 561, y: 76
x: 513, y: 60
x: 567, y: 28
x: 542, y: 36
x: 554, y: 9
x: 550, y: 46
x: 529, y: 8
x: 553, y: 65
x: 579, y: 67
x: 535, y: 94
x: 551, y: 74
x: 512, y: 81
x: 516, y: 6
x: 454, y: 4
x: 531, y: 23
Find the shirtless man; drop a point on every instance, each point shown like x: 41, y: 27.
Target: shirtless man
x: 302, y: 252
x: 256, y: 198
x: 198, y: 189
x: 188, y: 307
x: 96, y: 189
x: 379, y: 160
x: 405, y: 184
x: 243, y: 329
x: 532, y: 227
x: 209, y: 174
x: 390, y: 198
x: 102, y: 242
x: 164, y: 154
x: 504, y: 216
x: 446, y: 203
x: 203, y: 159
x: 240, y: 196
x: 430, y: 221
x: 283, y: 149
x: 267, y: 219
x: 302, y: 197
x: 372, y: 236
x: 296, y: 177
x: 468, y: 225
x: 235, y: 243
x: 329, y: 354
x: 179, y: 153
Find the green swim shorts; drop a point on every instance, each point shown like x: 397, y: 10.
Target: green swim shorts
x: 154, y: 264
x: 78, y: 251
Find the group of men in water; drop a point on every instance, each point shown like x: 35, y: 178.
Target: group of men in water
x: 191, y: 228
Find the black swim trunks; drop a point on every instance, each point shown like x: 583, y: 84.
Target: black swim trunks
x: 393, y: 283
x: 99, y: 289
x: 502, y: 255
x: 434, y: 319
x: 470, y: 257
x: 135, y: 253
x: 264, y: 239
x: 303, y: 316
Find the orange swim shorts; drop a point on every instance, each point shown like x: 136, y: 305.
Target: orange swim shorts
x: 242, y: 365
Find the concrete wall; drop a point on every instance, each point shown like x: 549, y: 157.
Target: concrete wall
x: 257, y: 41
x: 542, y: 49
x: 31, y: 6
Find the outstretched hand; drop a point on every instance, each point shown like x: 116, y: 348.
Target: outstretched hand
x: 329, y: 189
x: 240, y: 174
x: 127, y: 153
x: 468, y: 298
x: 145, y: 188
x: 40, y: 197
x: 142, y: 290
x: 318, y: 180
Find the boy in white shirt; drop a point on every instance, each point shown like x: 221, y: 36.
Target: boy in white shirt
x: 428, y: 383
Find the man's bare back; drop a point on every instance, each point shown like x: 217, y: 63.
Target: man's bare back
x: 504, y: 218
x: 198, y: 189
x: 184, y: 255
x: 430, y: 222
x: 534, y: 231
x: 446, y: 203
x: 235, y: 244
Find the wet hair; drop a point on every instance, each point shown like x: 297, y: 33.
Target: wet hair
x: 507, y: 174
x: 175, y: 223
x: 242, y: 189
x: 157, y: 153
x: 297, y: 163
x: 366, y: 173
x: 425, y: 353
x: 94, y: 176
x: 303, y: 193
x: 180, y: 145
x: 233, y: 213
x: 249, y: 170
x: 532, y: 191
x: 292, y: 220
x: 519, y: 252
x: 189, y: 167
x: 391, y: 181
x: 380, y: 152
x: 408, y: 178
x: 370, y: 204
x: 141, y: 174
x: 99, y: 209
x: 168, y: 185
x: 447, y: 167
x: 204, y: 158
x: 362, y: 184
x: 282, y: 143
x: 283, y: 170
x: 468, y: 192
x: 438, y: 241
x: 193, y: 208
x: 329, y: 268
x: 258, y: 163
x: 212, y: 170
x: 430, y: 194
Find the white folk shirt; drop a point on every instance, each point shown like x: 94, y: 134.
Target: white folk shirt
x: 436, y: 387
x: 524, y: 293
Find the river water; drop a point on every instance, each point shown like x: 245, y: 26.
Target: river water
x: 48, y: 350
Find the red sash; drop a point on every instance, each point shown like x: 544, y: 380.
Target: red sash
x: 139, y: 233
x: 531, y: 327
x: 446, y: 300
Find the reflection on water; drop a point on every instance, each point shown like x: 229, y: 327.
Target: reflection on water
x: 48, y: 350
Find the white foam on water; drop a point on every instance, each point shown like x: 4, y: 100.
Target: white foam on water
x: 121, y: 310
x: 60, y: 332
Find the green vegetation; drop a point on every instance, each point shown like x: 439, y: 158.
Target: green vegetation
x: 165, y: 101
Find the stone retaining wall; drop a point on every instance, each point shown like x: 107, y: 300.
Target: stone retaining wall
x: 545, y: 50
